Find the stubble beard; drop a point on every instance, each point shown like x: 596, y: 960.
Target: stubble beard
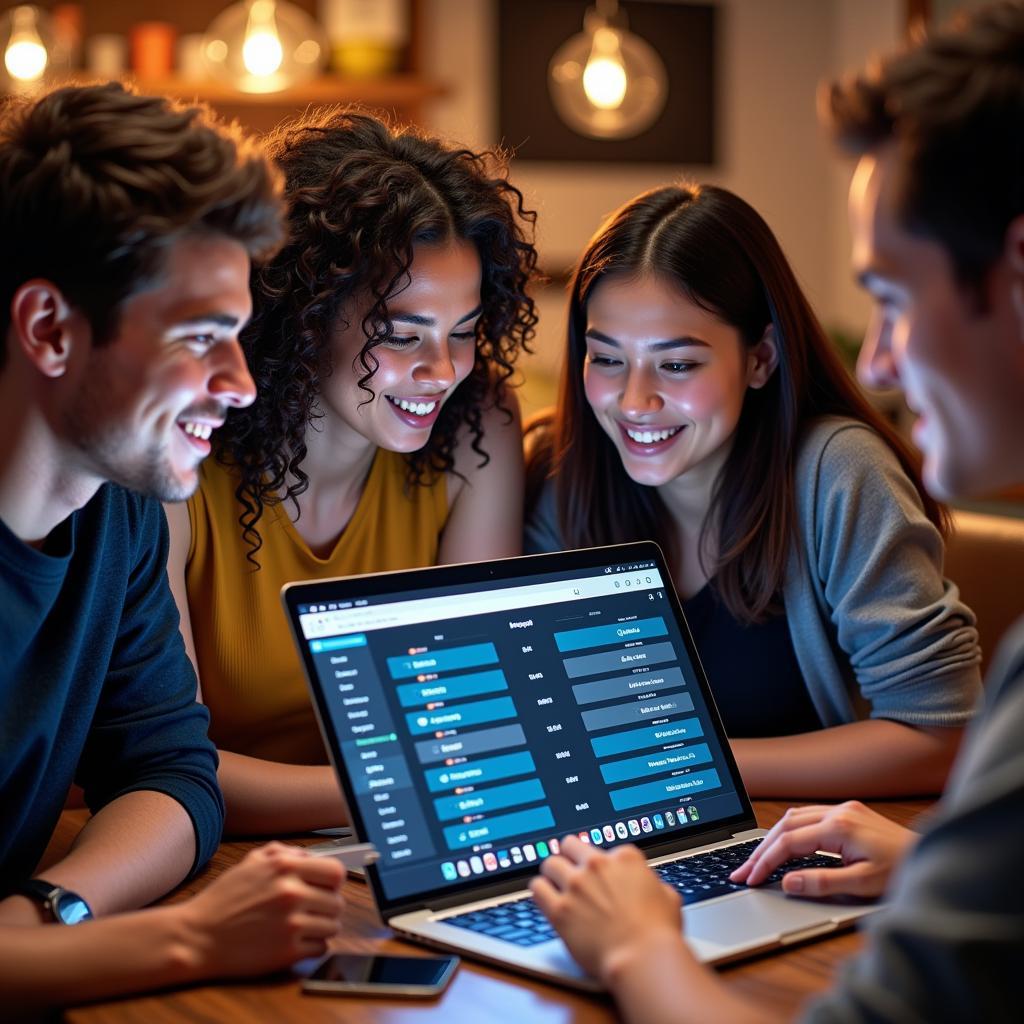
x: 113, y: 453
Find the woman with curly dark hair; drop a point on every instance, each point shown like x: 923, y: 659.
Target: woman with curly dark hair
x: 384, y: 435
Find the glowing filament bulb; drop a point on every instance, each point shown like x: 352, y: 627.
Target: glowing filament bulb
x: 262, y: 52
x: 25, y: 56
x: 604, y: 77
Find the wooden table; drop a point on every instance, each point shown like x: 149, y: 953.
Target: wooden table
x: 477, y: 993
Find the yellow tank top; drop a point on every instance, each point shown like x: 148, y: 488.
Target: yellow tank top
x: 252, y: 679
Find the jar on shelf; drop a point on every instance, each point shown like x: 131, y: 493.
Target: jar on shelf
x: 367, y: 37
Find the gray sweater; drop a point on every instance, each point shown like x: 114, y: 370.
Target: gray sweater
x: 949, y: 945
x: 878, y: 632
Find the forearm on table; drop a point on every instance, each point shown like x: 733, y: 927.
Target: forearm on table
x: 57, y: 965
x: 870, y: 758
x: 130, y: 853
x: 270, y: 798
x: 666, y: 985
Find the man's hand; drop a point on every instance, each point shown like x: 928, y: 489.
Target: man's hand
x: 275, y: 907
x: 608, y: 907
x: 871, y: 847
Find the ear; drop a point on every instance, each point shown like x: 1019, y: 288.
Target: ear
x: 1014, y: 248
x: 43, y: 326
x: 762, y: 359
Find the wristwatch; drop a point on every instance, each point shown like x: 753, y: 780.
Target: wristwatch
x: 62, y: 905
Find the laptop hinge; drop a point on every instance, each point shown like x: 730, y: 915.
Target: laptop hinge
x: 749, y: 833
x: 519, y: 883
x: 464, y: 897
x: 671, y: 844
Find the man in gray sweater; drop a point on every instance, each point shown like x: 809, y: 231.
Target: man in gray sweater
x: 937, y: 210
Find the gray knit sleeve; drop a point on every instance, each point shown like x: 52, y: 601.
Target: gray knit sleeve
x: 877, y: 565
x: 949, y: 944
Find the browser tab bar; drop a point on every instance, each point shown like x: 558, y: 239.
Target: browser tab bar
x: 324, y: 623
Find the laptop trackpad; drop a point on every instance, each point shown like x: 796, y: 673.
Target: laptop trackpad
x: 751, y: 919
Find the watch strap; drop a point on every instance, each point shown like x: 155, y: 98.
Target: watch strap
x: 62, y: 905
x: 35, y: 889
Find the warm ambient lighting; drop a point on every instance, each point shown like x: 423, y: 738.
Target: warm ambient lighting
x: 606, y: 82
x: 263, y: 45
x: 25, y: 56
x: 261, y: 52
x: 604, y: 77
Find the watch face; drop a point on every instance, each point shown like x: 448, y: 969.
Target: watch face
x: 70, y: 908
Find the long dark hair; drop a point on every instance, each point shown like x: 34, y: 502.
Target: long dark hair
x: 361, y: 195
x: 725, y: 259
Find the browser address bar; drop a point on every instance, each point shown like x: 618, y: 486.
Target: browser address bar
x: 434, y: 609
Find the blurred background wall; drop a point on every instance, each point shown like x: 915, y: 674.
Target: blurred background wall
x: 772, y: 54
x: 437, y: 62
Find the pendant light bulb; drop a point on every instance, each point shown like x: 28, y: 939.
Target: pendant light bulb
x: 604, y: 78
x: 606, y: 82
x: 263, y: 46
x: 262, y: 53
x: 25, y: 57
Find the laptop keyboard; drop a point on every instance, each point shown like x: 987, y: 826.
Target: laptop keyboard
x: 701, y: 877
x: 520, y: 922
x: 707, y: 875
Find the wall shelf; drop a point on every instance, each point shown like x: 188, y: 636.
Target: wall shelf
x: 389, y: 91
x: 402, y: 94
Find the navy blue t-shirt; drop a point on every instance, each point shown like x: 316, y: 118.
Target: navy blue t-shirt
x: 752, y: 669
x: 95, y: 684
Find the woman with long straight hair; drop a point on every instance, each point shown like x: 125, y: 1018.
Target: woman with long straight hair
x: 703, y: 407
x: 382, y: 435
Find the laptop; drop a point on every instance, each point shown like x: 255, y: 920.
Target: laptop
x: 476, y: 714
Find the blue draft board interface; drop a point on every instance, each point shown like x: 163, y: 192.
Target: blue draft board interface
x: 480, y: 722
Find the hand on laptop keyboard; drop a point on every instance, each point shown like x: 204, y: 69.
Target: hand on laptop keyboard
x: 706, y: 875
x: 699, y: 877
x: 606, y: 905
x: 869, y: 845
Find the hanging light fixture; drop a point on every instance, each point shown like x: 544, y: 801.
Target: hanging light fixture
x: 606, y: 82
x: 24, y: 32
x: 264, y: 45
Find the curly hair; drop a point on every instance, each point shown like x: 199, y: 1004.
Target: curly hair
x: 362, y: 194
x: 97, y: 183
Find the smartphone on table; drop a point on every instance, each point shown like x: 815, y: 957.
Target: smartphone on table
x: 415, y: 977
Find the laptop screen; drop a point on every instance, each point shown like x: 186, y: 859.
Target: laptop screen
x: 479, y: 713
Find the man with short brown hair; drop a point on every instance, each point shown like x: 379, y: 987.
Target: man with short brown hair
x: 128, y: 226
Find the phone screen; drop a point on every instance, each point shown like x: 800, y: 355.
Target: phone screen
x: 420, y: 972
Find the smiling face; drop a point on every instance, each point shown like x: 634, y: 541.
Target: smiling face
x: 139, y: 410
x: 665, y: 378
x: 432, y: 351
x: 957, y: 355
